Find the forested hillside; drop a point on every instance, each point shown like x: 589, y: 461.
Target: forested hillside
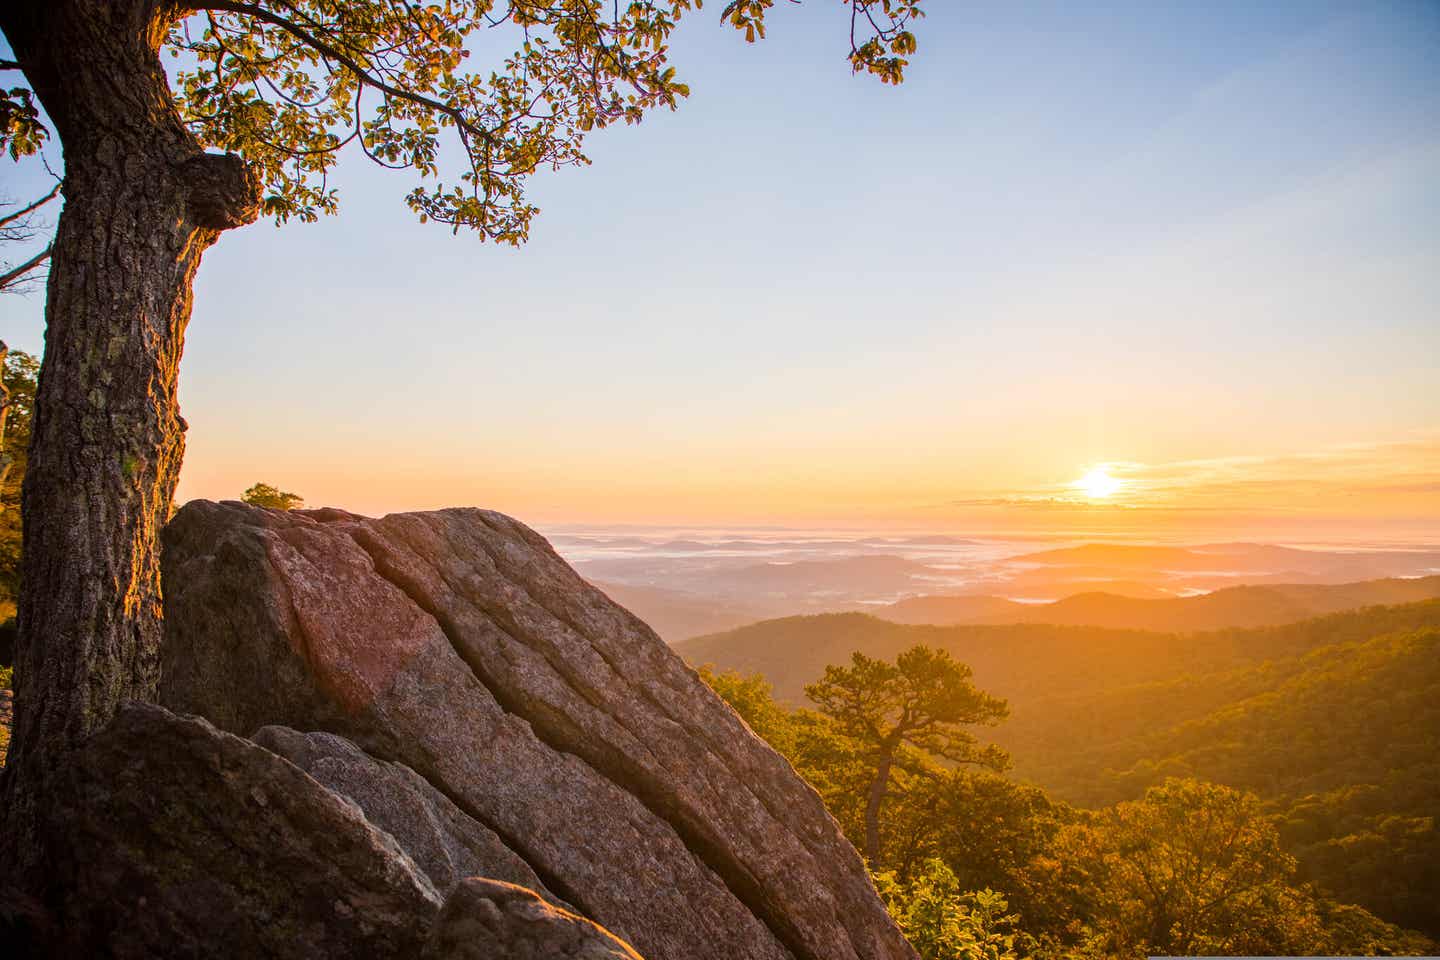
x: 1029, y: 662
x: 1347, y: 748
x: 976, y: 865
x: 1333, y: 723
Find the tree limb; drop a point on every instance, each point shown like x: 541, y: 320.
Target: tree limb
x: 349, y: 62
x: 10, y: 279
x: 10, y: 218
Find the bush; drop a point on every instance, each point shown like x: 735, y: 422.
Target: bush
x: 942, y: 923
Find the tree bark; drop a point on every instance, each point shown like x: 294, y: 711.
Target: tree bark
x: 142, y: 203
x: 5, y: 462
x: 879, y: 787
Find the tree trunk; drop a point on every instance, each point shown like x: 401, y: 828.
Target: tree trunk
x: 142, y: 203
x: 878, y: 789
x: 5, y: 462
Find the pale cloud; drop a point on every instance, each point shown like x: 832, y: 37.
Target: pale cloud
x: 1358, y: 476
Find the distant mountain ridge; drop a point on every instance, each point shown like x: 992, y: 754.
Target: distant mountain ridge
x: 1243, y: 606
x: 1139, y: 554
x: 687, y: 588
x: 1264, y: 558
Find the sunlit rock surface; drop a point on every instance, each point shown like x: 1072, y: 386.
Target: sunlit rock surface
x: 458, y: 644
x: 489, y: 920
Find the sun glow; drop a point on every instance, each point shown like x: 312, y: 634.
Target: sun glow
x: 1097, y: 484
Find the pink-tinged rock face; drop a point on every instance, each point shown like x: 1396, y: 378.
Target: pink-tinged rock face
x: 354, y: 651
x: 459, y: 644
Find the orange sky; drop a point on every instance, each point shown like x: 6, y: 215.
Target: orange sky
x: 1383, y: 490
x: 1197, y: 242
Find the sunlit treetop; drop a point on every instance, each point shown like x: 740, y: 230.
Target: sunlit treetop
x: 472, y: 95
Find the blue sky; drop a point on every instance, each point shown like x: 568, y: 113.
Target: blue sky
x: 1142, y: 233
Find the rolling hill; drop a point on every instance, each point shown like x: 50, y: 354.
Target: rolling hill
x: 1245, y: 606
x: 1027, y: 662
x: 1333, y: 721
x: 1251, y: 557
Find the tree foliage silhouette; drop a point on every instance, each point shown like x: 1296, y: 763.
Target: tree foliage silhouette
x: 264, y: 495
x: 924, y: 700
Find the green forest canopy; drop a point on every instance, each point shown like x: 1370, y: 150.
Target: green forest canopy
x: 1332, y: 724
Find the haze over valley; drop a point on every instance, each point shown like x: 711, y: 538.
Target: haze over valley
x: 685, y: 583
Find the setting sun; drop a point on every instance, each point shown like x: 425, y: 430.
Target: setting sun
x: 1097, y: 484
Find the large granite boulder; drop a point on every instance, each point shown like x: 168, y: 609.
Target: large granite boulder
x: 183, y: 841
x: 445, y: 843
x: 176, y: 840
x: 458, y: 644
x: 490, y: 920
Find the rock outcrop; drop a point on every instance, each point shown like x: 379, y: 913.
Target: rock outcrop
x: 183, y: 841
x: 445, y: 843
x: 489, y: 920
x: 458, y: 644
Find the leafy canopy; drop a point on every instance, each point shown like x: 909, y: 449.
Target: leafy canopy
x: 21, y: 131
x: 924, y: 699
x: 21, y: 371
x: 902, y: 716
x: 1190, y: 867
x: 515, y: 85
x: 1194, y: 868
x: 264, y: 495
x: 942, y: 922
